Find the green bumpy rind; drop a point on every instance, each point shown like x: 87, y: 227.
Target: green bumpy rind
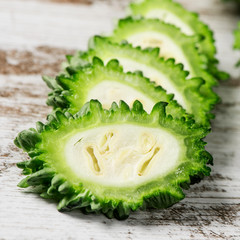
x: 54, y: 179
x: 70, y: 91
x: 198, y: 62
x: 197, y: 104
x: 190, y: 19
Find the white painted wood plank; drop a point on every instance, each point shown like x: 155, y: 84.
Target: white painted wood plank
x: 29, y: 24
x: 211, y: 209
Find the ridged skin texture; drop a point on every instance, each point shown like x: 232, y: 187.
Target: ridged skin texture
x: 197, y: 104
x: 70, y: 92
x: 206, y: 45
x: 54, y: 179
x: 48, y: 171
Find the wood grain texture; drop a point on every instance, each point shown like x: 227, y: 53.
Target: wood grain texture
x: 35, y: 36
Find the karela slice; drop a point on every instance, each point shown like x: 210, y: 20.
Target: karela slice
x: 189, y: 23
x: 113, y: 161
x: 165, y: 73
x: 171, y: 41
x: 107, y: 84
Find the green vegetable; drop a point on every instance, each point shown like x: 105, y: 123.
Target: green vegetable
x: 165, y: 73
x: 173, y: 44
x: 108, y: 84
x: 189, y: 23
x: 113, y: 161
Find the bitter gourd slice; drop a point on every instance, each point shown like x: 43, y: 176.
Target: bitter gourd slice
x: 189, y: 23
x: 173, y: 44
x: 165, y: 73
x: 108, y: 84
x: 171, y: 41
x: 113, y: 161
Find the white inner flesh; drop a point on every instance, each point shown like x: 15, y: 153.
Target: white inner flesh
x: 122, y: 154
x: 168, y: 49
x: 168, y: 17
x: 153, y: 75
x: 108, y: 92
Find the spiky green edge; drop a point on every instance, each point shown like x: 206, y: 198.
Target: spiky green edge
x: 70, y: 91
x: 129, y: 26
x: 42, y: 173
x: 99, y: 46
x: 191, y: 19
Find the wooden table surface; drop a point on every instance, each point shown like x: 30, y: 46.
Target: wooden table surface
x: 34, y: 37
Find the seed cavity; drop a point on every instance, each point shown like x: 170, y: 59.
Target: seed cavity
x: 94, y: 160
x: 126, y: 157
x: 147, y: 142
x: 146, y: 163
x: 106, y: 142
x: 122, y: 154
